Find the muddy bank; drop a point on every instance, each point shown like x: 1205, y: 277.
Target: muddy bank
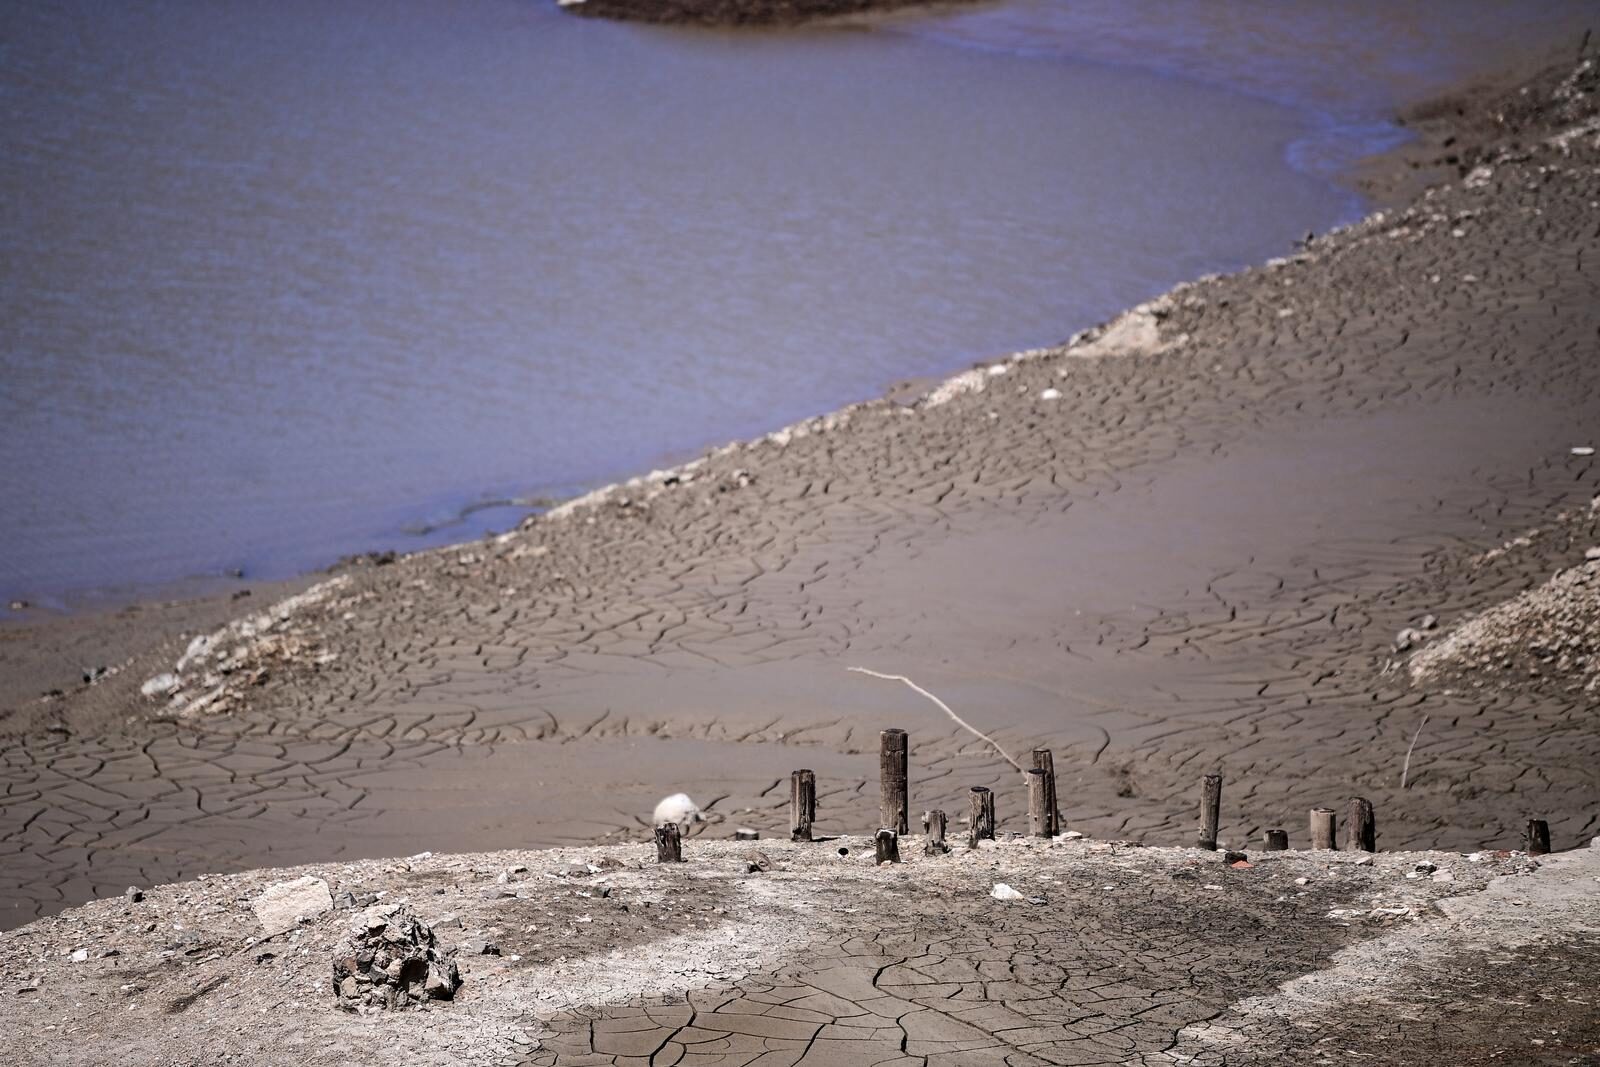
x: 1185, y: 541
x: 770, y: 952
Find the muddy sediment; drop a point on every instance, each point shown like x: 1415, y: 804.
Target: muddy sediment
x: 1184, y: 542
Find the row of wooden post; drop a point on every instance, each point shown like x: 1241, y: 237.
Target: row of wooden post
x: 1360, y: 825
x: 1044, y: 816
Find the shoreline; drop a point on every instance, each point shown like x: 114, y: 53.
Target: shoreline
x: 36, y: 640
x: 687, y: 618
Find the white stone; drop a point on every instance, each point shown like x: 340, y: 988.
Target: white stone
x: 282, y: 905
x: 677, y: 808
x: 162, y: 685
x: 1001, y: 891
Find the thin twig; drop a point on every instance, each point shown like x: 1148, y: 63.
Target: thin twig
x: 1406, y: 770
x: 946, y: 709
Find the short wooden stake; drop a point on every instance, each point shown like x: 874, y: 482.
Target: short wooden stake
x: 1323, y: 822
x: 1210, y: 809
x: 892, y: 763
x: 980, y: 820
x: 1277, y: 840
x: 1039, y: 803
x: 669, y: 843
x: 888, y: 846
x: 1537, y: 837
x: 1044, y: 760
x: 1360, y: 826
x: 933, y: 825
x: 802, y: 804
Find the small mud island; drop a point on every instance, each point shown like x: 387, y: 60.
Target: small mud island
x: 744, y: 12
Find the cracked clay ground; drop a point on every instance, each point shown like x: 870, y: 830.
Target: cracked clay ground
x: 1194, y: 555
x: 1120, y: 955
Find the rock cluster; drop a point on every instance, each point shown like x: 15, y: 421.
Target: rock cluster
x: 390, y: 961
x: 1551, y: 633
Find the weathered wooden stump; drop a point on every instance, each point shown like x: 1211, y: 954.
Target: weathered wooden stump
x: 1039, y: 820
x: 892, y: 767
x: 802, y: 804
x: 980, y: 818
x: 1323, y: 823
x: 1360, y: 826
x: 1276, y: 840
x: 1044, y: 760
x: 1537, y: 837
x: 1210, y: 810
x: 887, y: 843
x: 933, y: 824
x: 669, y: 843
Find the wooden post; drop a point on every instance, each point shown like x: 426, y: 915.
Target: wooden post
x: 892, y: 780
x: 1039, y: 803
x: 1210, y: 810
x: 888, y: 846
x: 669, y: 843
x: 1538, y: 837
x: 802, y: 804
x: 1323, y: 822
x: 1360, y: 826
x: 933, y: 825
x: 980, y: 820
x: 1044, y: 760
x: 1277, y: 840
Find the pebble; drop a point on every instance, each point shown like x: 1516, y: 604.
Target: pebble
x: 1001, y: 891
x: 1583, y: 450
x: 80, y: 956
x: 1050, y: 394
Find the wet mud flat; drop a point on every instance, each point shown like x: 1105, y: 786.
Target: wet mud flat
x: 1190, y: 540
x: 771, y: 952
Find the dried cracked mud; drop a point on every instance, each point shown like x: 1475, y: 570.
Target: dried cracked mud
x: 1179, y: 544
x: 1121, y: 954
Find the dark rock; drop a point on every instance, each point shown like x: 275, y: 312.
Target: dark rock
x: 391, y: 960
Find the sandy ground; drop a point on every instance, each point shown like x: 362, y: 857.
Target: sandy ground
x: 1184, y: 542
x: 1116, y: 954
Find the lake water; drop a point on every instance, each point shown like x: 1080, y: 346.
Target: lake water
x: 284, y: 281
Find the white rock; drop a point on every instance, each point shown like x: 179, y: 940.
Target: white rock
x: 1443, y: 876
x: 162, y: 685
x: 1583, y: 450
x: 281, y: 905
x: 677, y: 808
x: 80, y: 956
x: 1050, y: 394
x: 1001, y: 891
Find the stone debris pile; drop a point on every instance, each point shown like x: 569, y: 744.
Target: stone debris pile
x: 390, y: 960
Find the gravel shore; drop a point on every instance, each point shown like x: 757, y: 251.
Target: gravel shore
x: 768, y: 952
